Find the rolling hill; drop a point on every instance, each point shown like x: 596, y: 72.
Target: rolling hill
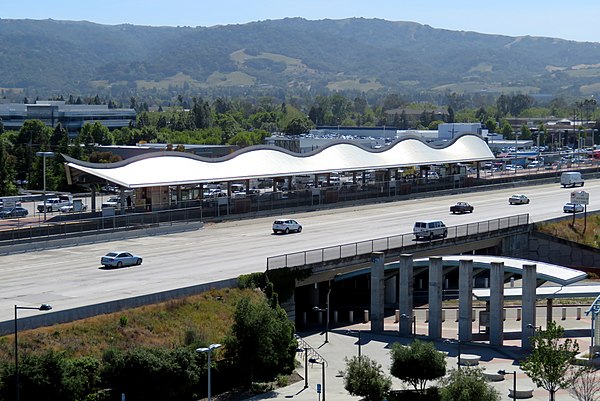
x: 49, y: 57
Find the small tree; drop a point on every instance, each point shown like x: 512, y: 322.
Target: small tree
x: 466, y: 385
x: 550, y: 359
x: 364, y: 377
x: 417, y: 363
x: 585, y: 384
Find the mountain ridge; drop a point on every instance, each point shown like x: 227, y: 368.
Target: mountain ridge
x: 50, y: 57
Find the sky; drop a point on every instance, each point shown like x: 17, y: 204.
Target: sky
x: 547, y: 18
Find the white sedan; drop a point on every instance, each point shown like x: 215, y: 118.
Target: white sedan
x: 518, y: 200
x: 120, y: 259
x: 572, y: 208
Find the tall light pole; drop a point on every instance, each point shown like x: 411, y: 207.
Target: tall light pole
x: 414, y: 322
x: 450, y: 341
x: 322, y: 363
x: 44, y: 155
x: 208, y: 351
x: 514, y: 373
x: 42, y: 307
x: 359, y: 344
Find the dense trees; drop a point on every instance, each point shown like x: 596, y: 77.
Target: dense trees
x: 190, y: 119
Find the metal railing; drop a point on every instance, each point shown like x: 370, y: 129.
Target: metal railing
x: 396, y: 242
x: 82, y: 224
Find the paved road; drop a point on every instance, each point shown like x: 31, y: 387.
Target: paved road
x: 70, y: 277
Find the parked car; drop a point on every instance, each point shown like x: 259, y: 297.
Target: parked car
x: 54, y: 203
x: 461, y: 207
x: 430, y: 229
x: 518, y: 200
x: 120, y: 259
x: 286, y: 226
x: 14, y: 212
x: 572, y: 208
x: 70, y: 208
x: 113, y: 201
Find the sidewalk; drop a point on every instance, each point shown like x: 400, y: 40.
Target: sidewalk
x: 342, y: 345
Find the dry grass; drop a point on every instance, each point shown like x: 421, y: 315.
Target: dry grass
x: 587, y: 233
x: 205, y: 318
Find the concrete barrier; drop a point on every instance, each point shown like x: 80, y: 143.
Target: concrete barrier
x: 469, y: 359
x: 520, y: 393
x: 493, y: 376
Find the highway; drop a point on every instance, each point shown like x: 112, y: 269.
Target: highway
x: 72, y: 277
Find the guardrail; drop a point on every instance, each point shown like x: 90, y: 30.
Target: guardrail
x: 85, y: 224
x: 396, y: 242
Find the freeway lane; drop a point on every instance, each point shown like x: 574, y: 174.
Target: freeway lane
x: 71, y: 277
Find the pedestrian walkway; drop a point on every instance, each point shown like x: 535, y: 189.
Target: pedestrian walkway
x: 343, y: 343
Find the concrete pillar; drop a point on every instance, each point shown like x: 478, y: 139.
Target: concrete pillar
x: 528, y: 301
x: 377, y: 291
x: 391, y: 291
x: 465, y: 299
x: 549, y: 316
x: 496, y: 303
x: 435, y: 297
x: 405, y: 292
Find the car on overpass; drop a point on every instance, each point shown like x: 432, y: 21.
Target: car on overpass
x: 518, y: 200
x: 461, y: 207
x: 286, y: 226
x: 120, y: 259
x: 572, y: 208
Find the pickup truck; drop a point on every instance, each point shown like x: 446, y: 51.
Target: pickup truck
x: 461, y: 207
x: 54, y: 203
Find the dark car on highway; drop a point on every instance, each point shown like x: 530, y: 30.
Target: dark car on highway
x: 461, y: 207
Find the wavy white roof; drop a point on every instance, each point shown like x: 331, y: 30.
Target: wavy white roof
x: 178, y: 168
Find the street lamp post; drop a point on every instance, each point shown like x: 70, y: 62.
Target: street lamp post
x: 514, y: 373
x: 326, y: 310
x: 42, y: 307
x: 414, y: 322
x: 208, y: 351
x: 305, y: 350
x: 450, y: 341
x: 322, y: 363
x: 359, y: 344
x: 44, y: 155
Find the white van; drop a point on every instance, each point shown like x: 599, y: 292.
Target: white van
x: 430, y: 229
x: 571, y: 179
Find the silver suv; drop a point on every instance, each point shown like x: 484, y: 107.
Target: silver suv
x: 430, y: 229
x: 286, y: 226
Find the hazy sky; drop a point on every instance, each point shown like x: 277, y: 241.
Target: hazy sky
x: 550, y: 18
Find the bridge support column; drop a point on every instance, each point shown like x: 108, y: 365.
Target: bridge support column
x: 377, y: 291
x: 496, y: 303
x: 465, y: 299
x: 405, y: 293
x: 435, y: 297
x: 528, y: 305
x: 391, y: 290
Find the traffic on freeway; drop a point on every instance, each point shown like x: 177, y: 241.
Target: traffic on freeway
x: 72, y: 277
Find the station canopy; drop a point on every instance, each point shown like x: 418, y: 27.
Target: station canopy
x: 180, y: 168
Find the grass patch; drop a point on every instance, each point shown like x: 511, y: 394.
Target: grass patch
x: 204, y: 318
x: 581, y: 232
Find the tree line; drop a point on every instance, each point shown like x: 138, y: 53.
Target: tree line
x: 242, y: 122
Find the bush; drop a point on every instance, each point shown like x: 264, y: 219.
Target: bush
x: 364, y: 377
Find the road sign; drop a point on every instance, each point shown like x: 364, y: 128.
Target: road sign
x: 580, y: 197
x: 319, y: 388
